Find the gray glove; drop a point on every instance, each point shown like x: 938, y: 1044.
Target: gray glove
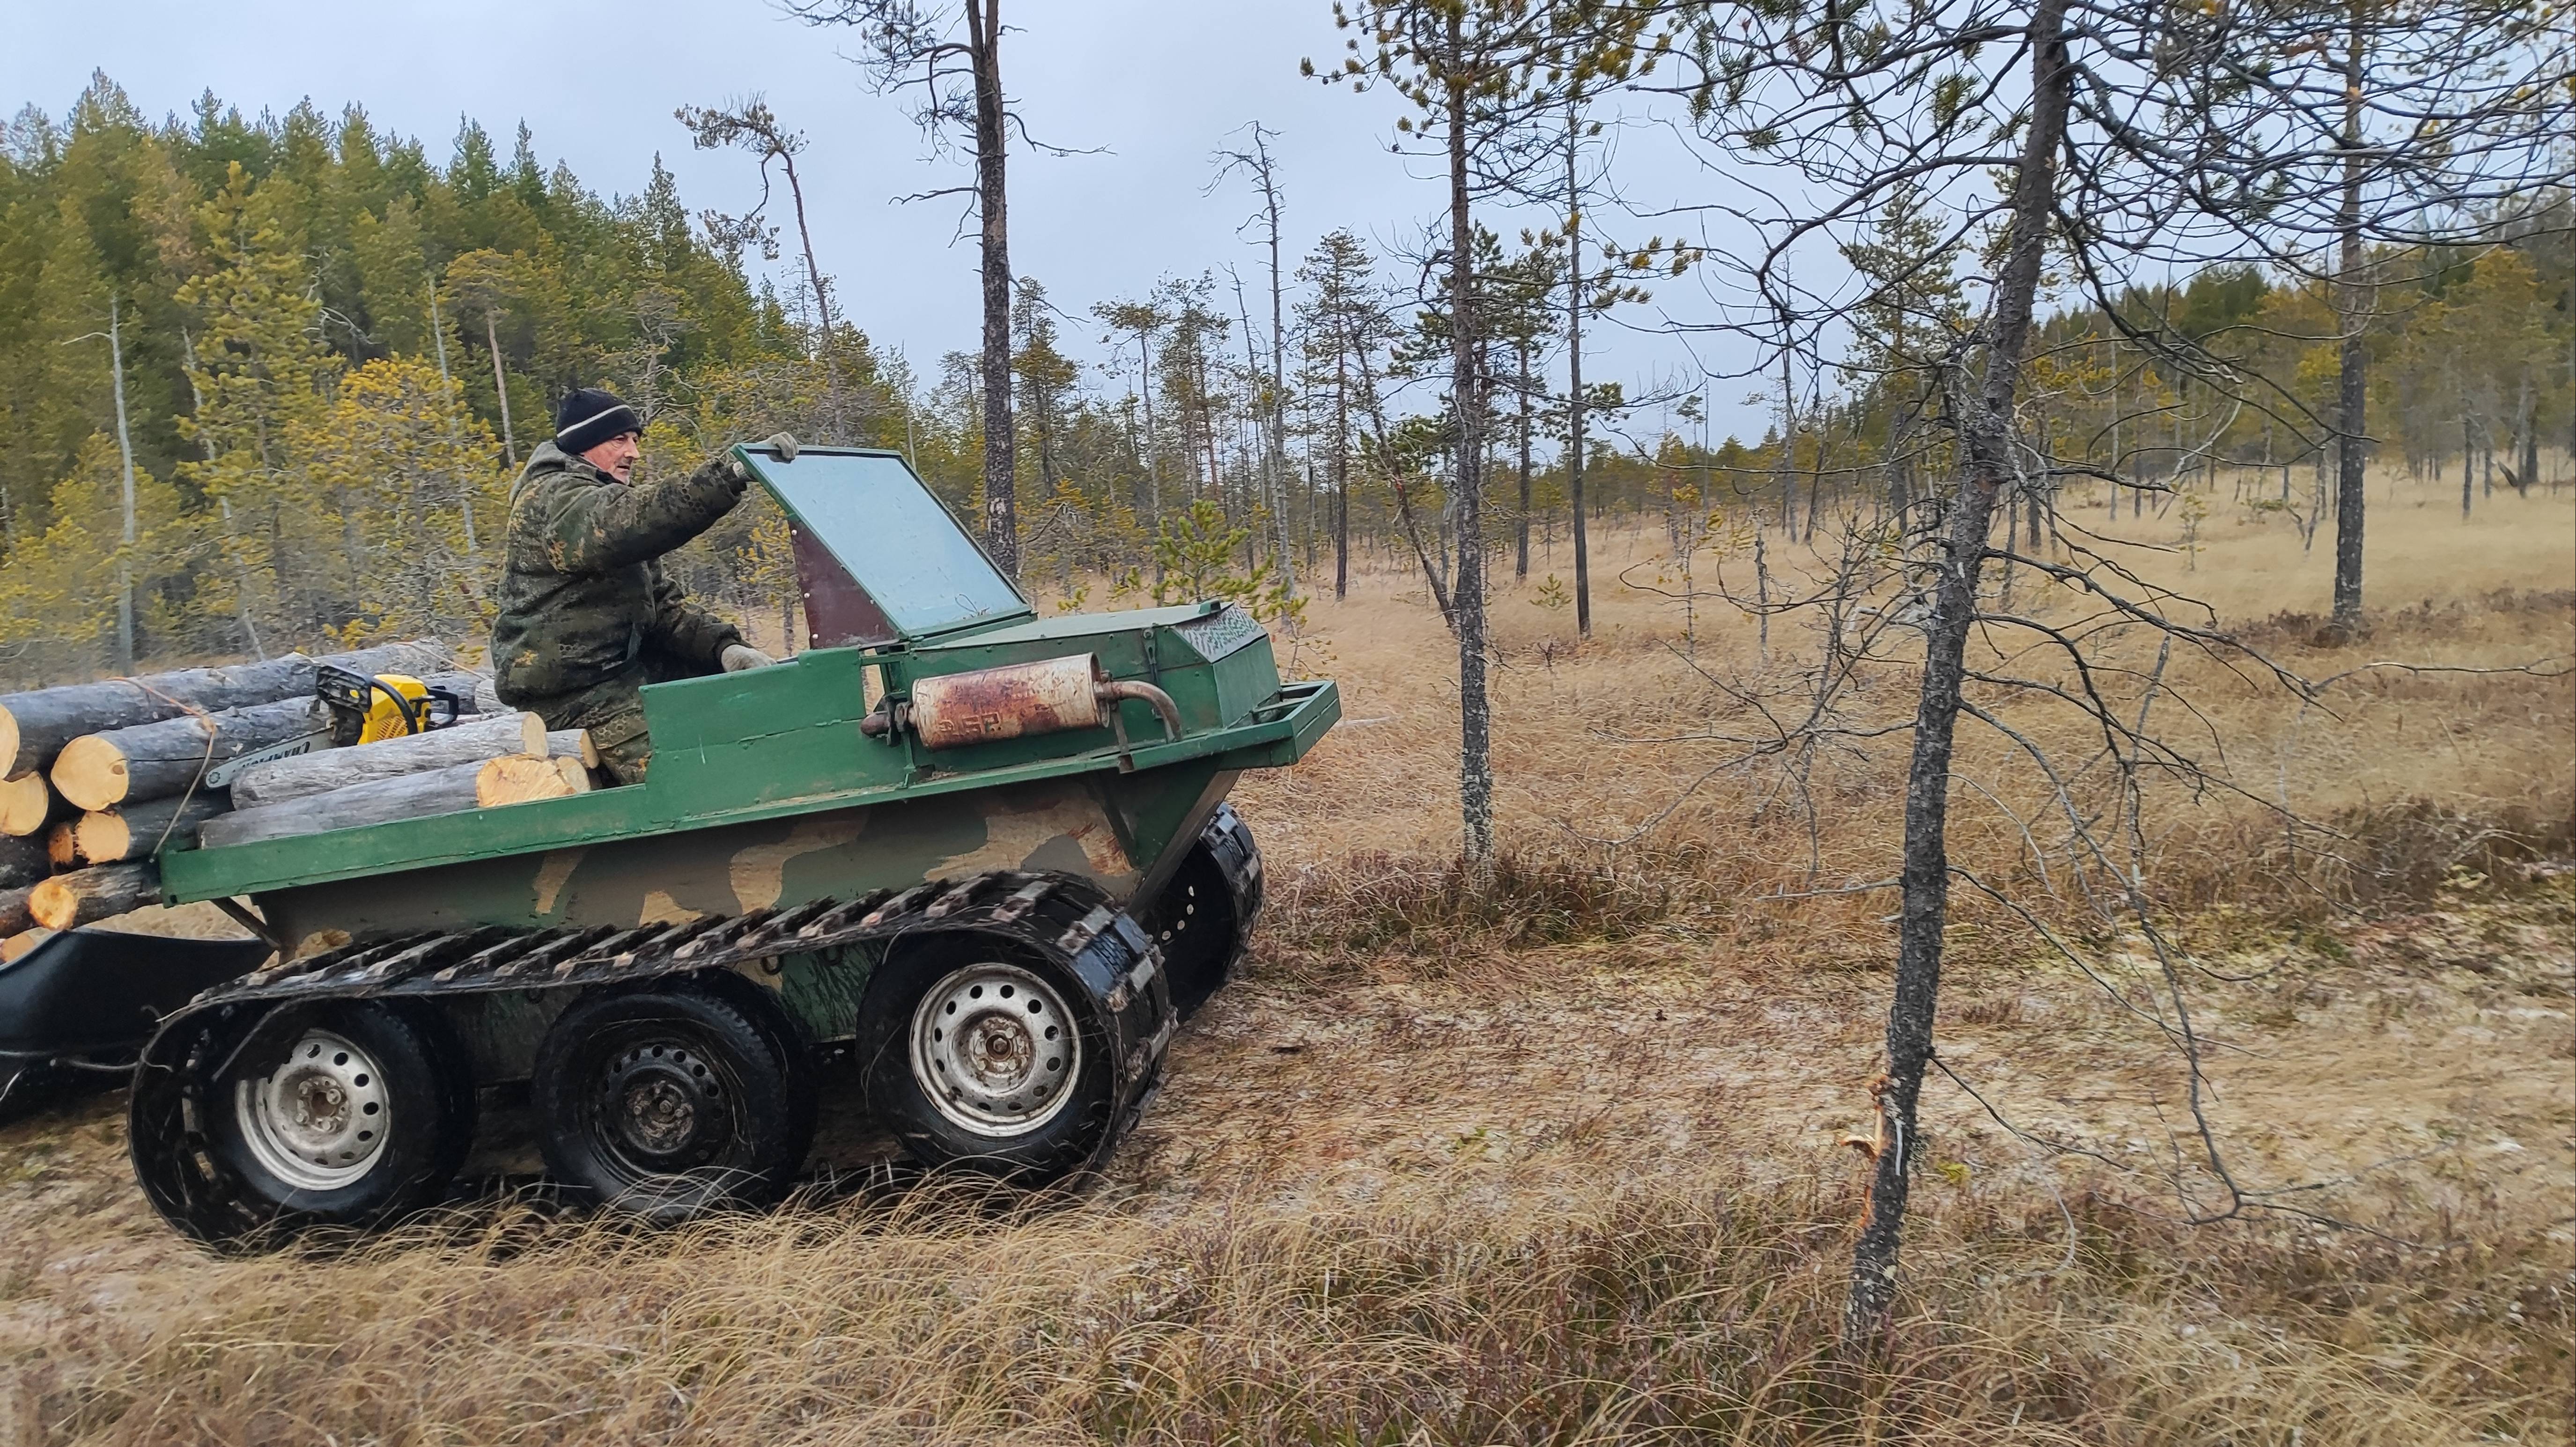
x: 738, y: 656
x: 782, y: 443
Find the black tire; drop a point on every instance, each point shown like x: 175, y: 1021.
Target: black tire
x: 349, y: 1114
x: 671, y: 1102
x: 1046, y: 1100
x: 1199, y: 922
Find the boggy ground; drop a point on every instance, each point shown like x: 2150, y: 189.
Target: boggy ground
x: 1573, y: 1165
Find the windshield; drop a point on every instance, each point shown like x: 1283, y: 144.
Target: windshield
x: 895, y: 539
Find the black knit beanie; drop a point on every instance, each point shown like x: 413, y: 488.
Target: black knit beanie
x: 590, y: 417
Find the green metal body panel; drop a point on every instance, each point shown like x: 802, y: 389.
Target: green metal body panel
x: 764, y: 792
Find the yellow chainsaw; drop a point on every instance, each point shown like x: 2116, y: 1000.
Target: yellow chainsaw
x: 364, y: 710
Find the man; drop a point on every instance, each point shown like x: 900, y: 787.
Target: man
x: 587, y: 617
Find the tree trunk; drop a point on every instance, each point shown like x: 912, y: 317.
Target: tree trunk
x: 1341, y: 469
x: 2529, y: 425
x: 1467, y: 394
x: 822, y: 294
x: 324, y: 770
x: 500, y: 386
x: 1001, y: 456
x: 13, y: 911
x: 1574, y: 374
x: 1926, y: 875
x: 1441, y: 597
x: 125, y: 452
x: 114, y: 836
x: 1277, y: 443
x: 2352, y: 388
x: 2468, y: 473
x: 68, y: 901
x: 1520, y: 554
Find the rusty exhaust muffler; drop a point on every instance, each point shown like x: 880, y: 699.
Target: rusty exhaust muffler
x: 1015, y: 701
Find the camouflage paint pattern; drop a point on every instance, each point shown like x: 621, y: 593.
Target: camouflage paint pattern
x: 1115, y: 830
x: 583, y: 599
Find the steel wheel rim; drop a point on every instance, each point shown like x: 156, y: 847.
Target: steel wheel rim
x: 318, y: 1122
x: 665, y: 1106
x: 995, y: 1049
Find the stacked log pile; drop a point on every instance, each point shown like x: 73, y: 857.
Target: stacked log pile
x: 279, y: 780
x: 453, y: 789
x: 37, y: 726
x: 96, y: 779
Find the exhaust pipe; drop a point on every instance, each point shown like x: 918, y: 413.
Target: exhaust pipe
x: 1017, y: 700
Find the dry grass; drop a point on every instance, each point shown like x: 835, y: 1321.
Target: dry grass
x: 1563, y: 1163
x: 1695, y: 1314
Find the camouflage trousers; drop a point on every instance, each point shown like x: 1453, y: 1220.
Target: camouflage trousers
x: 613, y: 712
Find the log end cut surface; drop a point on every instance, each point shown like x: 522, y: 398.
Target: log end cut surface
x: 520, y: 778
x: 91, y: 773
x: 25, y: 805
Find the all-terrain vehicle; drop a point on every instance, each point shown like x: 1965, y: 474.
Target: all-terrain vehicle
x: 986, y: 852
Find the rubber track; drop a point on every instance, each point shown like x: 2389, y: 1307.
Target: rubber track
x: 1061, y: 914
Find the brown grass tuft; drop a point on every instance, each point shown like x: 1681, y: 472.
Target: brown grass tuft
x: 2378, y: 858
x: 1373, y: 901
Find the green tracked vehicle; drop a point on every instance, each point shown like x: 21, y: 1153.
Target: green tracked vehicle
x: 985, y: 854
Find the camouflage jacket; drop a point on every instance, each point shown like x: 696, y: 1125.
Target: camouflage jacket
x: 583, y: 598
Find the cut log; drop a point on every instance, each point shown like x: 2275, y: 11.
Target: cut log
x: 571, y: 744
x: 22, y: 862
x: 34, y: 726
x: 22, y: 944
x: 113, y: 836
x: 83, y: 896
x: 324, y: 770
x: 13, y: 911
x: 62, y: 844
x: 521, y: 779
x: 27, y: 805
x: 487, y: 697
x: 156, y: 760
x: 408, y: 796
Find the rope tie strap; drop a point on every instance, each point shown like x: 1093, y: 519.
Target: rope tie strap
x: 206, y: 726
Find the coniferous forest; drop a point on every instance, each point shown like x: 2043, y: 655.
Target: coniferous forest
x: 319, y: 351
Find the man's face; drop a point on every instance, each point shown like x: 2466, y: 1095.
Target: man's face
x: 616, y: 456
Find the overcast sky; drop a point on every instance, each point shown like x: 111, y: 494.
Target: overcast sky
x: 1154, y: 85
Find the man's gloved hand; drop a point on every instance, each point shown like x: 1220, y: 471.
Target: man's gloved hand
x: 782, y: 443
x: 739, y: 656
